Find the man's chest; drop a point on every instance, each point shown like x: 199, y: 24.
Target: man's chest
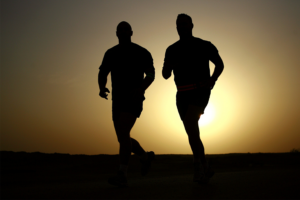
x: 187, y: 54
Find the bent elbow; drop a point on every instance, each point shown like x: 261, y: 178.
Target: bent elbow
x: 220, y: 66
x: 166, y: 76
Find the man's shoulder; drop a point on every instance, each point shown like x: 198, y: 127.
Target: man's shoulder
x: 173, y: 46
x: 139, y: 48
x: 201, y: 41
x: 112, y: 49
x: 208, y: 44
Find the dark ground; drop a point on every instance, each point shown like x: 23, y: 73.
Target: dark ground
x: 63, y: 176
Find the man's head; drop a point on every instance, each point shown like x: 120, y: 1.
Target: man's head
x: 124, y: 31
x: 184, y: 25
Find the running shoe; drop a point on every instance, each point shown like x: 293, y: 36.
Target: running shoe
x: 202, y: 176
x: 120, y: 180
x: 147, y: 163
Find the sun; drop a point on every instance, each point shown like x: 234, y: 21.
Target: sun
x: 208, y: 116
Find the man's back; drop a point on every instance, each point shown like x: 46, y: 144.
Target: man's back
x: 190, y: 60
x: 127, y: 64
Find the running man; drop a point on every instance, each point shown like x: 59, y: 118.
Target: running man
x: 127, y: 62
x: 189, y: 59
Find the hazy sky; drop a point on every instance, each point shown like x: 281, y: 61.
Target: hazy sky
x: 51, y: 51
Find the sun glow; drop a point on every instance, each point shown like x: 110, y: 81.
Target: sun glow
x: 208, y: 116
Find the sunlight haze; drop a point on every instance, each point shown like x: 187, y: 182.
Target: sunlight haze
x: 50, y: 57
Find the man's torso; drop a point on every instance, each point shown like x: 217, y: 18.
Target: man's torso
x: 127, y: 67
x: 190, y: 60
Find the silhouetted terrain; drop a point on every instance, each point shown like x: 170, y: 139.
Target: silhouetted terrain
x: 58, y: 176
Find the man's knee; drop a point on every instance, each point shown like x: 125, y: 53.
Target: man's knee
x: 133, y: 141
x: 190, y: 122
x: 193, y: 114
x: 191, y: 126
x: 122, y: 135
x: 124, y: 139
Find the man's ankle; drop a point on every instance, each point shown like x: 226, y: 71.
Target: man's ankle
x: 143, y: 157
x: 197, y: 160
x: 123, y: 168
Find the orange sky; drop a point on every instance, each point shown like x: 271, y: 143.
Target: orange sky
x: 51, y: 51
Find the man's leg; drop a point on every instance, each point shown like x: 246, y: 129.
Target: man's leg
x: 136, y: 148
x: 145, y: 157
x: 202, y: 173
x: 192, y: 129
x: 123, y: 127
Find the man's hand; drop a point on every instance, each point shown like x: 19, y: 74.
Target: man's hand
x: 103, y: 93
x: 140, y: 92
x: 209, y: 83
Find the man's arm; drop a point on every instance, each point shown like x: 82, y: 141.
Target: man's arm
x: 167, y: 68
x: 150, y: 75
x: 102, y: 75
x: 219, y: 66
x: 102, y: 80
x: 166, y: 72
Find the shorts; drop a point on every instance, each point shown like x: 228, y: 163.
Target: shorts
x: 196, y: 97
x: 134, y: 107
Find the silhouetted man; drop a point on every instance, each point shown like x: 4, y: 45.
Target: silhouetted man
x: 127, y: 62
x: 189, y: 59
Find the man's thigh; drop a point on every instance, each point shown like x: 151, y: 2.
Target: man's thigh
x: 191, y: 104
x: 193, y: 113
x: 118, y: 107
x: 124, y: 124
